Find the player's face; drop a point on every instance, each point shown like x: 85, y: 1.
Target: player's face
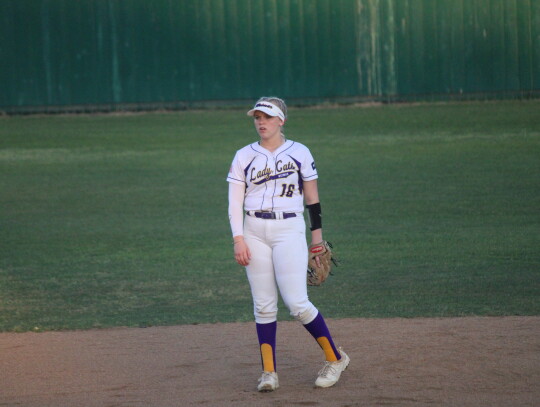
x: 267, y: 126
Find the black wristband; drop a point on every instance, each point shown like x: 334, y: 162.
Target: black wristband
x: 315, y: 216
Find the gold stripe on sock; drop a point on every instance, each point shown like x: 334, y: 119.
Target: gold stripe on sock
x: 267, y: 357
x: 327, y: 348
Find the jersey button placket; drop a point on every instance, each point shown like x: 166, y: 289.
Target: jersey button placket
x: 268, y: 193
x: 275, y: 179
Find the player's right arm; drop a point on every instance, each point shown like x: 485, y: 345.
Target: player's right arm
x: 236, y: 218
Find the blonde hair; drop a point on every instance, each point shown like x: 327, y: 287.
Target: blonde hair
x: 276, y: 101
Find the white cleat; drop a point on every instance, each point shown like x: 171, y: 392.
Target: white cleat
x: 268, y: 382
x: 331, y: 371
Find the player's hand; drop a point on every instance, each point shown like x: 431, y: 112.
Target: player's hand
x: 316, y: 238
x: 242, y: 253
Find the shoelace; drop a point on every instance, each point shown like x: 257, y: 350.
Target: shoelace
x: 328, y: 368
x: 266, y: 376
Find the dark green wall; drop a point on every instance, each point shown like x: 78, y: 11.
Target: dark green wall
x: 113, y: 52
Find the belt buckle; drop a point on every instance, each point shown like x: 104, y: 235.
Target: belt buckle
x: 267, y: 214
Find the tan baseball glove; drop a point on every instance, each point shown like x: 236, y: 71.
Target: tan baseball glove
x: 318, y: 272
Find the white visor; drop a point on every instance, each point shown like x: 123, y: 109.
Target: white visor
x: 269, y: 108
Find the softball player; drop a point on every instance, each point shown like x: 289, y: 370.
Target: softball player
x: 269, y: 181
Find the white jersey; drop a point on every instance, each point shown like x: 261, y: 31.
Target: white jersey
x: 274, y: 180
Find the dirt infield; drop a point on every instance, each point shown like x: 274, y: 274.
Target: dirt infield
x: 394, y: 362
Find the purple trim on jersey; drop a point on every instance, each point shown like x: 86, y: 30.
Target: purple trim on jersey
x: 300, y: 185
x: 267, y: 334
x: 300, y: 180
x: 274, y: 177
x: 296, y: 162
x: 239, y: 180
x: 247, y: 168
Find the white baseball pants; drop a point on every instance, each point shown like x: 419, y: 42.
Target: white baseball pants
x: 278, y: 261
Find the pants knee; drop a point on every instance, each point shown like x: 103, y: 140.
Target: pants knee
x: 264, y: 316
x: 305, y: 315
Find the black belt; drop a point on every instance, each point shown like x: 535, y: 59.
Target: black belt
x: 272, y: 215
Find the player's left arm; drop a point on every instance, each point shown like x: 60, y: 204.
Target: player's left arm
x: 311, y: 197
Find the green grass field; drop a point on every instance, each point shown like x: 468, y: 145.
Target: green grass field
x: 121, y: 220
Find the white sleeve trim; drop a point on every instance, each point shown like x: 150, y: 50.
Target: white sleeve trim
x: 235, y: 181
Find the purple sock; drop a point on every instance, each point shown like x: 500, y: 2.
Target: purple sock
x: 267, y: 343
x: 318, y: 329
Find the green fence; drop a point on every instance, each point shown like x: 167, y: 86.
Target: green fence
x: 108, y: 53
